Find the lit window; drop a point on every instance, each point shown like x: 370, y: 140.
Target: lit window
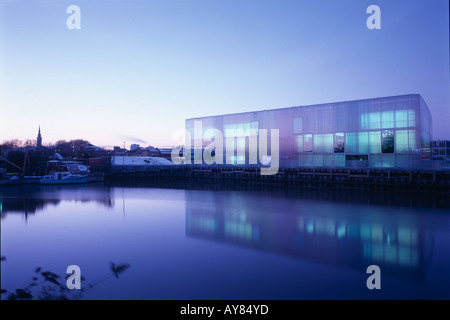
x: 387, y: 119
x: 339, y: 142
x: 387, y: 141
x: 401, y: 118
x: 350, y: 143
x: 363, y: 142
x: 375, y: 142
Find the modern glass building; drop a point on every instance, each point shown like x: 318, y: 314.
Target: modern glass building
x: 376, y: 133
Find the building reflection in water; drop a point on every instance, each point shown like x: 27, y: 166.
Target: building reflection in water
x: 31, y: 199
x: 329, y: 232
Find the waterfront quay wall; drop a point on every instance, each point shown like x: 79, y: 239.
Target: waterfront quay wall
x: 359, y: 178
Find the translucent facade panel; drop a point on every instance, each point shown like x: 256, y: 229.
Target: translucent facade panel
x: 339, y: 142
x: 308, y: 160
x: 240, y: 159
x: 401, y: 141
x: 307, y: 143
x: 375, y: 161
x: 375, y: 142
x: 365, y: 121
x: 298, y: 125
x: 240, y: 143
x: 299, y: 141
x: 317, y: 160
x: 412, y: 140
x: 328, y: 145
x: 318, y: 143
x: 323, y: 143
x: 208, y: 132
x: 401, y: 118
x: 240, y: 129
x: 411, y: 118
x: 254, y: 125
x: 350, y: 143
x: 363, y: 142
x: 405, y: 141
x: 231, y: 160
x: 328, y: 160
x: 387, y: 119
x: 370, y: 121
x: 374, y: 120
x: 402, y: 161
x: 388, y: 161
x: 339, y: 160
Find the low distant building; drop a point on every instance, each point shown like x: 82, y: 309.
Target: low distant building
x: 145, y: 152
x: 134, y: 147
x: 91, y: 151
x: 138, y: 163
x: 118, y: 151
x: 167, y: 153
x: 440, y: 149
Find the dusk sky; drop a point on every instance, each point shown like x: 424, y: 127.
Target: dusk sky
x: 136, y: 70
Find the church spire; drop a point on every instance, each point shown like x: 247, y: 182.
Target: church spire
x: 39, y: 138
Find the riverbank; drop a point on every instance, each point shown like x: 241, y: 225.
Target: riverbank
x: 368, y: 179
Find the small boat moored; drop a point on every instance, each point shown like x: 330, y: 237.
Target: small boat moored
x: 63, y: 178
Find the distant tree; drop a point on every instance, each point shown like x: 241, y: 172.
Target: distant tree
x: 70, y: 148
x: 11, y: 144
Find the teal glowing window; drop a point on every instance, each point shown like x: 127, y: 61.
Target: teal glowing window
x: 328, y: 145
x: 405, y: 140
x: 350, y: 143
x: 375, y: 142
x: 241, y: 129
x: 232, y: 160
x: 363, y: 142
x: 387, y: 119
x: 401, y: 118
x: 299, y: 141
x: 339, y: 160
x: 323, y: 143
x: 370, y: 120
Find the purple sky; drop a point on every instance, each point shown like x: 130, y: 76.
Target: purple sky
x: 137, y: 69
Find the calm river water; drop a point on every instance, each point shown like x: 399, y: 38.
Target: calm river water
x: 224, y: 244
